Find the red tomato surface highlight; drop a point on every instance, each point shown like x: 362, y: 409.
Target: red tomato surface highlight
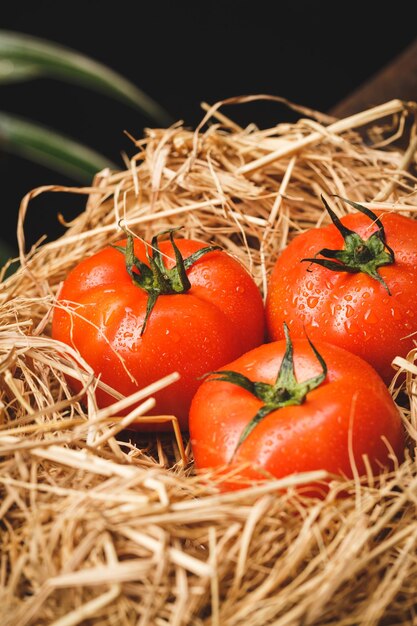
x: 217, y: 319
x: 348, y: 415
x: 351, y: 310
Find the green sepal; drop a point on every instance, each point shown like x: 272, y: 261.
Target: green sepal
x: 229, y: 376
x: 195, y: 256
x: 179, y: 279
x: 261, y: 414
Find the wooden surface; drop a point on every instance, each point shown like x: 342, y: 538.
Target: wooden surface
x: 397, y: 80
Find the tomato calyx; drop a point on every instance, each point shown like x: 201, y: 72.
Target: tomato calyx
x: 286, y: 391
x: 155, y: 278
x: 358, y: 255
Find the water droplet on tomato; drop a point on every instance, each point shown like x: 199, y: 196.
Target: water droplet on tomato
x: 310, y: 285
x: 240, y: 289
x: 370, y: 317
x: 349, y: 311
x: 312, y: 302
x: 348, y: 297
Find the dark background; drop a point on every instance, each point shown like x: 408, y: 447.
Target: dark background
x: 180, y: 53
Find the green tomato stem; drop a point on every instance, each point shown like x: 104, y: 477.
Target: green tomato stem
x: 286, y: 391
x: 155, y: 278
x: 358, y: 255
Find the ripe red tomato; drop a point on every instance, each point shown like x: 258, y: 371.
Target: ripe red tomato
x: 371, y: 310
x: 319, y: 421
x: 209, y: 311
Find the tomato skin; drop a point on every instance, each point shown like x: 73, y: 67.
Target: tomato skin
x: 353, y: 311
x: 307, y: 437
x: 219, y: 318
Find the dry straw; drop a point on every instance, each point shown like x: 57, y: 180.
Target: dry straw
x: 99, y: 528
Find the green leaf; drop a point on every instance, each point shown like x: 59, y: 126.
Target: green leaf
x: 56, y: 151
x: 56, y: 61
x: 16, y: 71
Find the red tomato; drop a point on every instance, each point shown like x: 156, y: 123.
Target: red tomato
x: 356, y: 311
x: 219, y: 317
x: 348, y: 408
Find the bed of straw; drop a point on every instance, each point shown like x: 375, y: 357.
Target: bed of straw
x: 103, y: 528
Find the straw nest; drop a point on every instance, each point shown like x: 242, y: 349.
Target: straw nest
x: 100, y: 528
